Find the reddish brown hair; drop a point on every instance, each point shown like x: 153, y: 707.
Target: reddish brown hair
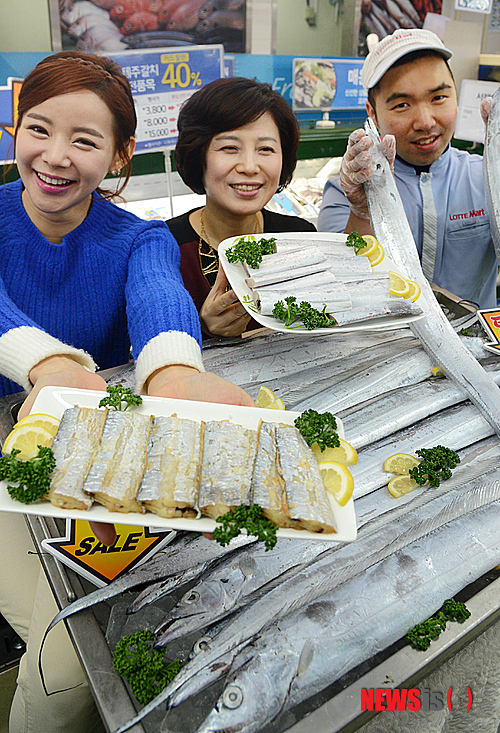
x: 74, y: 71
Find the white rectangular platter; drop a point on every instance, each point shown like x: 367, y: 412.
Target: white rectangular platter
x: 236, y: 276
x: 54, y: 400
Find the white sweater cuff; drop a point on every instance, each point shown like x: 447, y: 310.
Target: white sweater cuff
x: 166, y: 349
x: 24, y: 347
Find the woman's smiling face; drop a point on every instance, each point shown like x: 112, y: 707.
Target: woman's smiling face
x: 65, y: 146
x: 243, y: 167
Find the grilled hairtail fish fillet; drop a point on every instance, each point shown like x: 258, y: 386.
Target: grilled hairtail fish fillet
x: 268, y: 486
x: 74, y: 447
x: 305, y: 497
x: 172, y: 478
x: 120, y: 461
x: 227, y: 465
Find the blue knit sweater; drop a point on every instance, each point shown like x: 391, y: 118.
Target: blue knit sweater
x: 112, y: 283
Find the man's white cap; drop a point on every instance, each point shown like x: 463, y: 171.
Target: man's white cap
x: 391, y: 48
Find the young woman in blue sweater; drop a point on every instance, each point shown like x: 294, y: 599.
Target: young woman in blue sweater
x: 81, y: 282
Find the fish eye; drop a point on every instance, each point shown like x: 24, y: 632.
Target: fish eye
x: 202, y: 644
x: 232, y: 697
x: 191, y: 597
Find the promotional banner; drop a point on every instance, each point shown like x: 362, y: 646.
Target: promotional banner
x: 161, y: 82
x: 110, y: 26
x: 383, y: 17
x: 278, y: 70
x: 327, y: 84
x: 80, y: 550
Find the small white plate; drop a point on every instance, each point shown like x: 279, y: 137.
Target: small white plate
x: 54, y: 400
x: 237, y: 276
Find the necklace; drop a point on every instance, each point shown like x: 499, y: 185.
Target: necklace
x: 209, y: 260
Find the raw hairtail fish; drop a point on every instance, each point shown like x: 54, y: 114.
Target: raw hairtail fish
x: 188, y: 556
x: 280, y: 355
x: 381, y: 377
x: 456, y: 427
x: 397, y: 308
x: 402, y: 408
x: 307, y: 382
x: 344, y: 266
x: 491, y: 163
x: 305, y: 498
x: 171, y: 480
x: 268, y: 486
x: 314, y: 646
x: 437, y: 336
x: 257, y: 281
x: 286, y: 262
x: 332, y: 569
x: 226, y: 469
x: 120, y: 461
x: 74, y: 447
x: 335, y: 245
x: 335, y: 298
x: 363, y: 293
x: 226, y: 588
x: 316, y: 280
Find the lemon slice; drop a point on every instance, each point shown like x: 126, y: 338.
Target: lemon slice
x: 338, y: 480
x: 400, y: 485
x: 400, y: 463
x: 376, y: 256
x: 40, y: 420
x: 267, y: 399
x: 414, y: 293
x: 370, y: 246
x: 344, y: 453
x: 27, y: 439
x: 398, y: 285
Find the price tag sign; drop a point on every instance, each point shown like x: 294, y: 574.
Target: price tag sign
x: 161, y: 81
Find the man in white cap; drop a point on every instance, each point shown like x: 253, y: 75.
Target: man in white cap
x: 412, y: 99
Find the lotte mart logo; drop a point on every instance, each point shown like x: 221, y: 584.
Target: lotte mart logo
x: 379, y: 699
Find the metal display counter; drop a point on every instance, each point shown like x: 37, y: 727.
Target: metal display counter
x: 335, y: 710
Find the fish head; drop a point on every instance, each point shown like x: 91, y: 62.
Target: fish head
x: 255, y: 693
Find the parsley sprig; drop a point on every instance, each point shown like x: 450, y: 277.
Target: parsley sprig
x: 298, y: 315
x: 250, y: 250
x: 144, y: 668
x: 317, y: 427
x: 120, y: 398
x: 249, y: 518
x: 355, y: 240
x: 435, y: 466
x: 421, y: 635
x: 29, y: 480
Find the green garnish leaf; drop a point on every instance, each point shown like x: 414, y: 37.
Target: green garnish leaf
x: 421, y: 635
x: 355, y: 240
x: 120, y: 398
x: 249, y: 518
x: 29, y: 480
x: 320, y: 428
x: 435, y: 466
x: 465, y: 332
x: 144, y: 668
x: 250, y: 250
x: 298, y: 315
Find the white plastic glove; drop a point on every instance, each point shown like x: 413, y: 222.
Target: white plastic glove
x: 356, y: 168
x: 486, y: 108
